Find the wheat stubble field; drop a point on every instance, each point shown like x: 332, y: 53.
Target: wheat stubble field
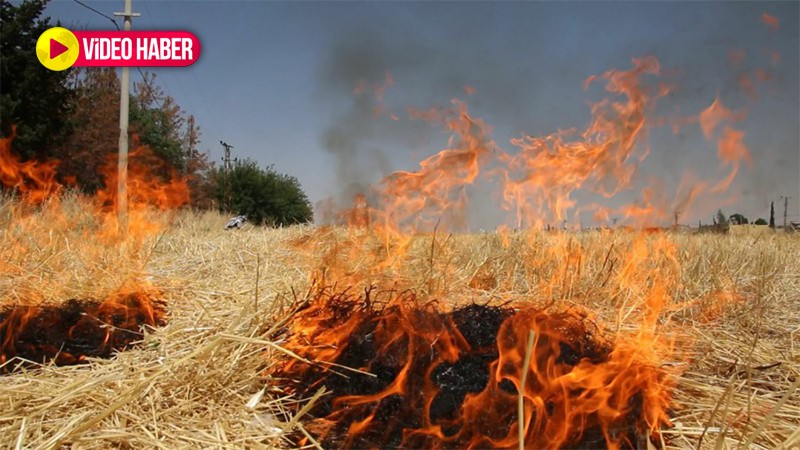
x: 724, y: 327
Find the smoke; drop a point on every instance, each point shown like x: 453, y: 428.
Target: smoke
x: 380, y: 80
x: 533, y: 86
x: 360, y: 134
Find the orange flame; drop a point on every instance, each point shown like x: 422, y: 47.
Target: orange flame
x: 730, y: 145
x: 396, y: 368
x: 579, y: 387
x: 419, y: 200
x: 34, y: 181
x: 542, y: 176
x: 770, y: 21
x: 69, y: 332
x: 151, y: 184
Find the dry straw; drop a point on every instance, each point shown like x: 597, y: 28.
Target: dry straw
x: 198, y: 381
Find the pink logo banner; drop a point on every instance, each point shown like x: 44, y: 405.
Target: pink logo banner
x: 137, y: 48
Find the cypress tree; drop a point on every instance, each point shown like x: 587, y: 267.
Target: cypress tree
x: 772, y: 214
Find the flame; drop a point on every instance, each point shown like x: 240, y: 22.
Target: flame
x: 152, y: 184
x: 454, y: 380
x: 82, y: 234
x: 545, y: 172
x: 358, y: 216
x: 731, y: 148
x: 539, y: 180
x: 406, y: 372
x: 74, y: 330
x: 36, y: 182
x: 771, y: 21
x: 437, y: 191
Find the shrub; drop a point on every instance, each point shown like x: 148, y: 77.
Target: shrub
x: 263, y: 195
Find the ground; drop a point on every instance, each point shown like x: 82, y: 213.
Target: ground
x: 725, y: 310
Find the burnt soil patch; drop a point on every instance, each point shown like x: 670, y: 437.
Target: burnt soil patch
x: 414, y: 384
x: 74, y: 330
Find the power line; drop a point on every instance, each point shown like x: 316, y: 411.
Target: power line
x: 98, y: 12
x: 139, y: 69
x: 152, y: 89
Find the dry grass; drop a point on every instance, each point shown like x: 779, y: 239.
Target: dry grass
x: 729, y: 330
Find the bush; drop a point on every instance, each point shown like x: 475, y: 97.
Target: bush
x: 263, y: 195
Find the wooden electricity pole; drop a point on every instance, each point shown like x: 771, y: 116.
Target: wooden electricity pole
x: 226, y: 161
x: 785, y: 211
x: 124, y: 99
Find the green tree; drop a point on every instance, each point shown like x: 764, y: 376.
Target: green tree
x: 760, y: 221
x: 95, y: 124
x: 158, y: 122
x: 720, y: 219
x: 772, y: 214
x: 33, y: 99
x: 264, y: 195
x: 738, y: 219
x: 198, y: 169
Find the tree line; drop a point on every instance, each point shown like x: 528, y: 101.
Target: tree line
x: 73, y: 116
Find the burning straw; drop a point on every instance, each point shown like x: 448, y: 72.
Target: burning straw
x: 74, y: 330
x: 632, y: 331
x: 402, y: 373
x: 198, y: 380
x: 77, y: 238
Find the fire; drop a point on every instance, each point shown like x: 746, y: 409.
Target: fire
x: 771, y: 21
x: 542, y: 176
x: 81, y: 233
x: 576, y: 360
x: 36, y: 182
x: 152, y: 184
x: 418, y: 200
x: 538, y: 181
x: 445, y: 380
x: 77, y: 329
x: 403, y: 370
x: 730, y: 144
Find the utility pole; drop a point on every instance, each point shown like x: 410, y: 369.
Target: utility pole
x: 785, y: 210
x: 226, y: 161
x: 124, y: 99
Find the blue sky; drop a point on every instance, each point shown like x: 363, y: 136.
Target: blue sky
x: 276, y: 80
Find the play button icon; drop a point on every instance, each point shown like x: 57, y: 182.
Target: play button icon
x: 57, y: 48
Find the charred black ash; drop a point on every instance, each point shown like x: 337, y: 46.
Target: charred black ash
x: 70, y: 332
x: 414, y: 382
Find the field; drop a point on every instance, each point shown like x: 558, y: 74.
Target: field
x: 719, y: 313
